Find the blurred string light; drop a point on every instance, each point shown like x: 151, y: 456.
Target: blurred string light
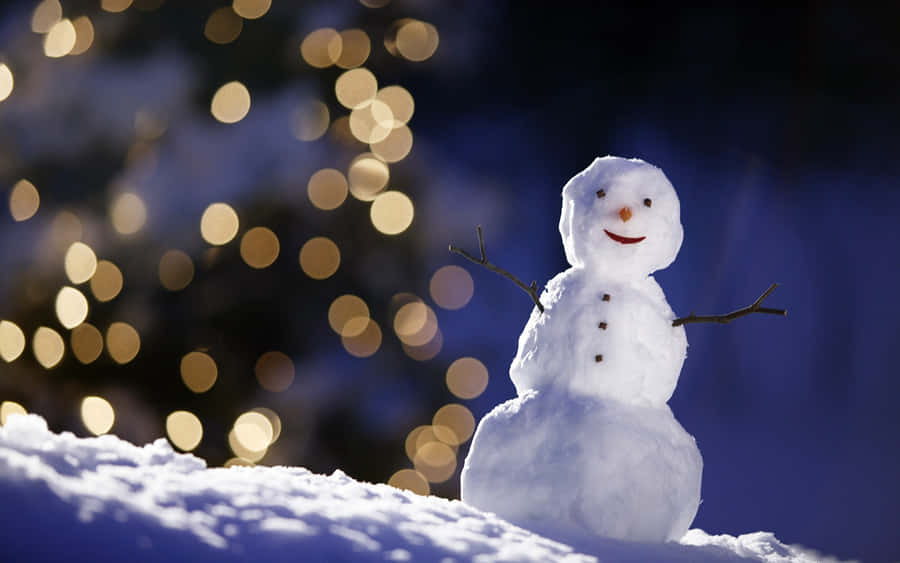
x: 223, y: 26
x: 115, y: 6
x: 310, y: 120
x: 355, y: 48
x: 128, y: 213
x: 274, y: 420
x: 176, y: 270
x: 259, y: 247
x: 451, y: 287
x: 71, y: 307
x: 65, y: 229
x: 320, y: 258
x: 12, y: 341
x: 97, y: 415
x: 391, y: 212
x: 9, y: 408
x: 395, y: 146
x: 6, y: 81
x: 426, y: 351
x: 48, y: 347
x: 86, y: 343
x: 274, y: 371
x: 45, y: 15
x: 251, y: 9
x: 60, y: 40
x: 219, y: 224
x: 410, y: 480
x: 198, y: 371
x: 184, y: 430
x: 327, y: 189
x: 356, y: 88
x: 251, y: 436
x: 367, y: 176
x: 467, y: 378
x: 340, y: 132
x: 361, y: 337
x: 412, y: 39
x: 399, y: 101
x: 80, y: 262
x: 122, y: 342
x: 371, y: 123
x: 230, y: 103
x: 107, y: 281
x: 321, y: 48
x: 344, y: 312
x: 453, y: 424
x: 84, y: 35
x: 415, y: 323
x: 24, y: 199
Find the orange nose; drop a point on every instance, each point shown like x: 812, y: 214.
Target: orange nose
x: 625, y: 213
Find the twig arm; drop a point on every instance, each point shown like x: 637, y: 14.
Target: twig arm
x: 755, y: 307
x: 531, y: 290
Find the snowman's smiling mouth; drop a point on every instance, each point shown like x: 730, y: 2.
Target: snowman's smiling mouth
x: 621, y: 239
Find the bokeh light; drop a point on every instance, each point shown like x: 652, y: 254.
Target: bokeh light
x: 345, y: 309
x: 367, y: 176
x: 115, y: 6
x: 395, y: 146
x: 48, y: 347
x: 80, y: 262
x: 356, y: 88
x: 184, y: 430
x: 436, y: 461
x: 310, y: 120
x: 259, y: 247
x: 467, y: 378
x: 86, y: 343
x: 451, y: 287
x: 253, y: 432
x: 219, y: 224
x: 128, y: 213
x: 274, y: 371
x: 24, y: 200
x: 12, y: 341
x: 400, y: 102
x: 97, y: 415
x: 45, y: 15
x: 176, y: 270
x: 71, y: 307
x: 65, y: 229
x: 321, y: 48
x: 362, y: 337
x: 84, y: 35
x: 122, y: 342
x: 391, y: 212
x: 6, y: 81
x: 410, y: 480
x: 198, y: 371
x: 371, y: 122
x: 416, y: 40
x: 223, y: 26
x: 453, y: 424
x: 107, y: 281
x: 60, y: 40
x: 426, y: 351
x: 8, y: 409
x: 327, y: 189
x: 231, y: 102
x: 355, y: 48
x: 320, y: 258
x: 251, y: 9
x: 274, y: 420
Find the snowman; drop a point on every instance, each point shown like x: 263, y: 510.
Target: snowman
x: 589, y: 446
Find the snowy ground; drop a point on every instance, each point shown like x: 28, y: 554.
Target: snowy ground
x: 103, y: 499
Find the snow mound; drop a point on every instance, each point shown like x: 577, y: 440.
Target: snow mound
x: 103, y: 499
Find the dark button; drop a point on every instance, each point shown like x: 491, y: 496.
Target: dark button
x: 598, y: 358
x: 602, y: 325
x: 606, y: 297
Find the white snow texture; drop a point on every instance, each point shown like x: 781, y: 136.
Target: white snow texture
x: 102, y: 499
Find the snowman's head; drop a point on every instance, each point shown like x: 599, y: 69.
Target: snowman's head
x: 621, y: 218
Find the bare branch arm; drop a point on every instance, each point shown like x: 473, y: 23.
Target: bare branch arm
x: 755, y: 307
x: 531, y: 290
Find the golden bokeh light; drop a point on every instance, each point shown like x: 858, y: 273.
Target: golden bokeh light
x: 12, y: 341
x: 45, y: 16
x: 367, y: 176
x: 198, y: 371
x: 86, y: 343
x: 451, y: 287
x: 9, y: 408
x: 345, y: 309
x: 242, y: 452
x: 219, y: 224
x: 411, y: 445
x: 237, y: 461
x: 467, y: 378
x: 97, y: 415
x: 410, y: 319
x: 223, y: 26
x: 320, y: 258
x: 71, y: 307
x: 231, y: 102
x: 426, y: 351
x: 80, y: 262
x: 253, y: 431
x: 106, y: 283
x: 6, y: 81
x: 274, y: 371
x: 395, y: 147
x: 341, y: 133
x: 410, y: 480
x: 176, y: 270
x: 128, y: 213
x: 259, y: 247
x: 322, y: 47
x: 84, y: 35
x: 365, y: 339
x: 24, y: 199
x: 251, y: 9
x: 391, y: 212
x: 356, y: 88
x: 65, y: 229
x: 436, y: 461
x: 355, y: 48
x: 115, y: 6
x: 416, y: 40
x: 327, y: 189
x: 400, y: 102
x: 122, y: 342
x: 184, y: 430
x: 48, y: 347
x: 371, y: 123
x: 60, y: 40
x: 453, y: 424
x: 274, y: 420
x: 310, y: 120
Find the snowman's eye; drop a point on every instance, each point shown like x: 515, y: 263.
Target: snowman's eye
x: 647, y: 202
x: 601, y: 193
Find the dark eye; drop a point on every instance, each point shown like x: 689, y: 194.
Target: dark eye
x: 647, y: 202
x: 601, y: 193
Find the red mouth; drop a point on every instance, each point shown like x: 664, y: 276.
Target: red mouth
x: 621, y: 239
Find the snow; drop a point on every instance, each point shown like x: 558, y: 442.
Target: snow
x: 103, y: 499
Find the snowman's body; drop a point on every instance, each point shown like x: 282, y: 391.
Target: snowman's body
x: 590, y: 447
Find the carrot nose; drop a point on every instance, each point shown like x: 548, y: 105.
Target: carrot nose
x: 625, y: 213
